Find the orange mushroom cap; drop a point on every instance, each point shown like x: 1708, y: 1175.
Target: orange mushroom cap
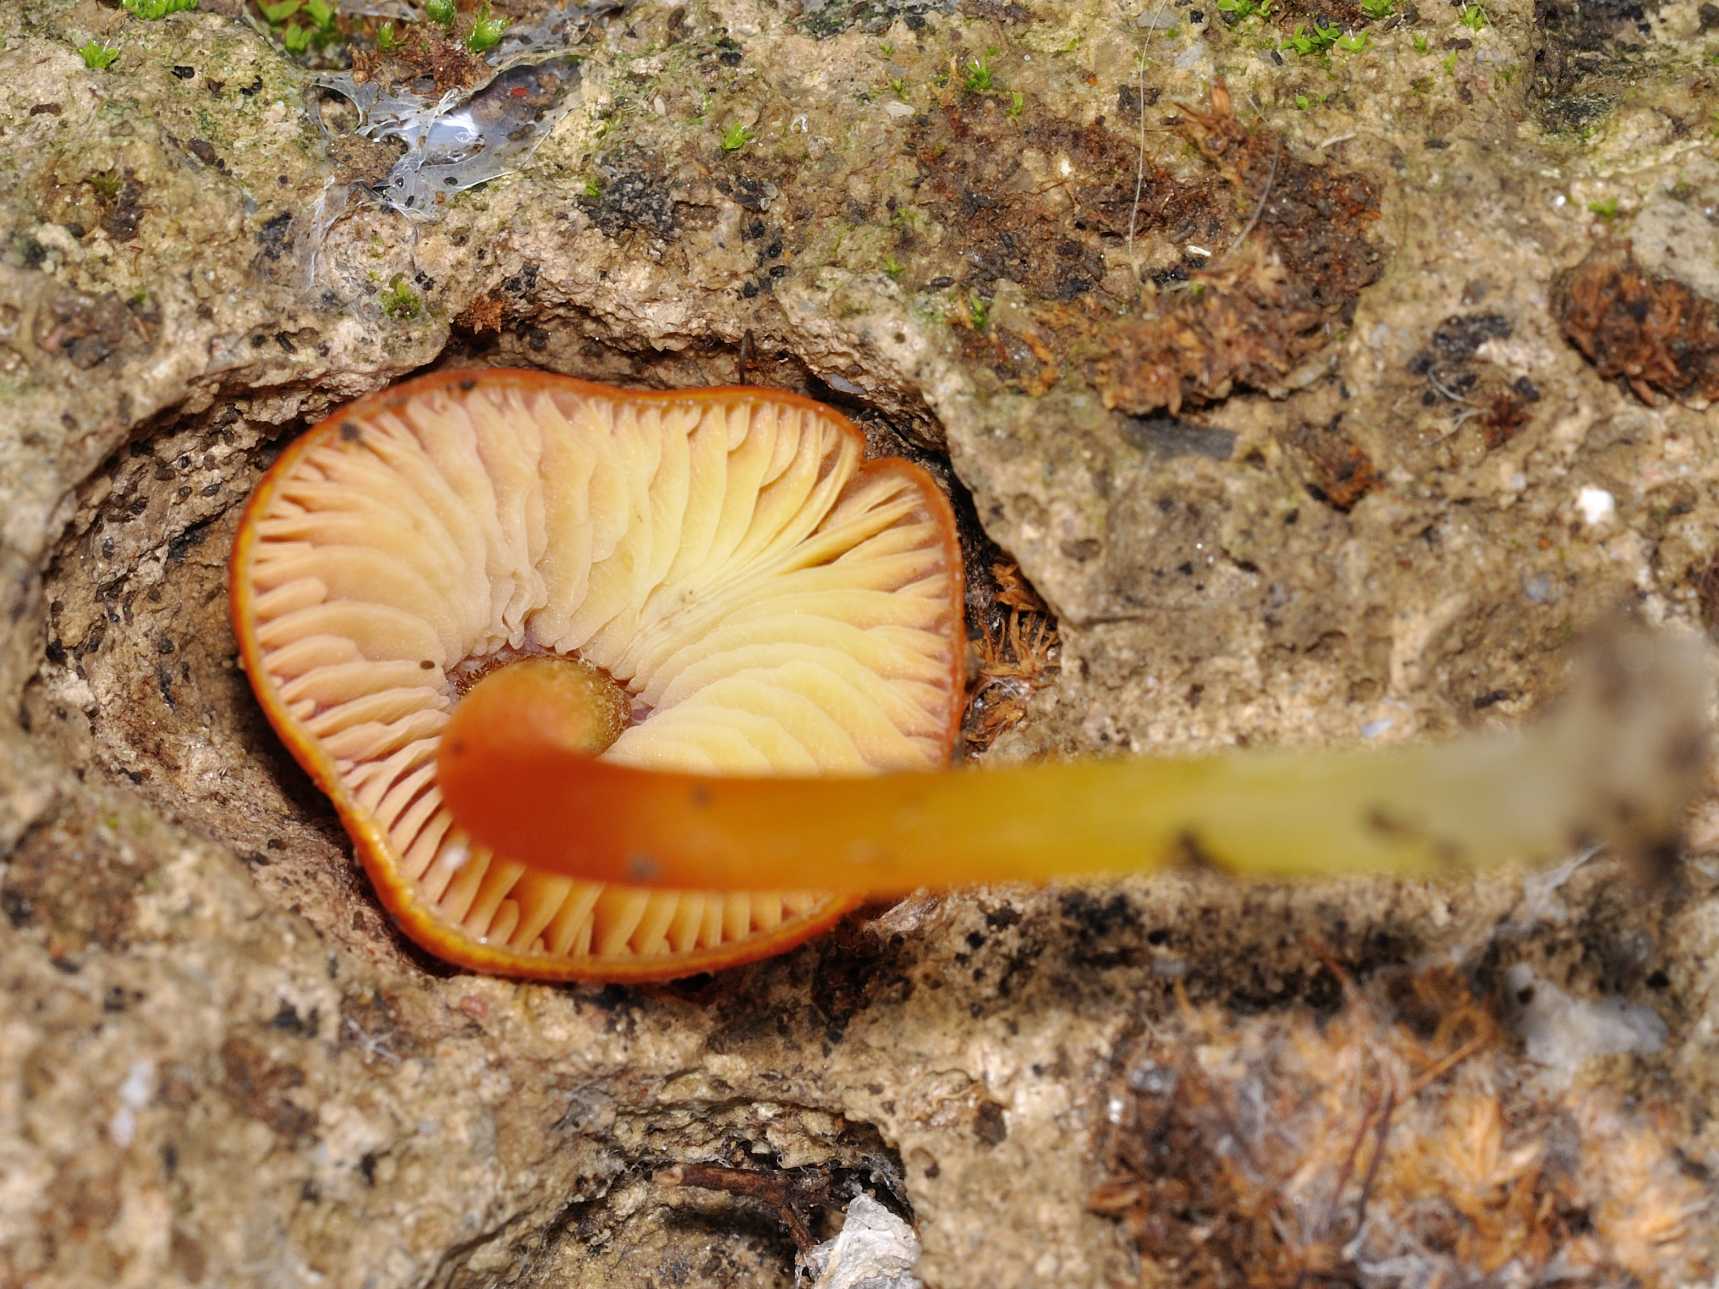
x: 755, y: 597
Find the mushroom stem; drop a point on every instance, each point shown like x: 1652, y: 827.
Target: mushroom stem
x: 1617, y: 763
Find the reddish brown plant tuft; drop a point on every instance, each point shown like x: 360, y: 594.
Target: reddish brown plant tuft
x: 1653, y: 331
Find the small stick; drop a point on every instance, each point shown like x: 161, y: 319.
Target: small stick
x: 780, y: 1193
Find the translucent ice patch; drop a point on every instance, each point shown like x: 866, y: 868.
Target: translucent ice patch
x: 469, y: 136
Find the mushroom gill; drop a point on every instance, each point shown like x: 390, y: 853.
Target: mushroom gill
x: 742, y: 591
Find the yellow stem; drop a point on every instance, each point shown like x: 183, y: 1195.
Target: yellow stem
x: 1616, y: 766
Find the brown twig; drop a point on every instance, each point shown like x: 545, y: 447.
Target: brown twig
x: 788, y: 1198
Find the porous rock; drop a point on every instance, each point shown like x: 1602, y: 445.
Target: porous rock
x: 1262, y: 386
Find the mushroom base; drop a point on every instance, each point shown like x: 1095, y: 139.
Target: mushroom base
x: 587, y: 706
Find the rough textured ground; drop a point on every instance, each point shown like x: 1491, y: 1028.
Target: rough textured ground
x: 1321, y: 397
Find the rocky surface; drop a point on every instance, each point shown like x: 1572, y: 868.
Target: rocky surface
x: 1322, y: 396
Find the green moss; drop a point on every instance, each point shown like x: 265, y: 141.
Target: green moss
x: 1235, y: 11
x: 979, y: 78
x: 486, y: 31
x: 1317, y: 41
x: 400, y: 302
x: 153, y: 10
x: 106, y: 183
x: 96, y: 55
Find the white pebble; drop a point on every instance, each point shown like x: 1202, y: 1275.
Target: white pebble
x: 1597, y: 505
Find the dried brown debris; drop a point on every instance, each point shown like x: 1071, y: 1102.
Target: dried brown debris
x: 794, y: 1198
x: 1017, y: 654
x: 481, y: 315
x: 1287, y: 239
x: 1653, y: 331
x: 1393, y: 1144
x: 1292, y: 265
x: 1049, y: 238
x: 1338, y: 471
x: 424, y: 55
x: 1019, y: 356
x: 1504, y: 413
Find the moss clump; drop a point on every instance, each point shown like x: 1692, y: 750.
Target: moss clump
x: 96, y: 55
x: 153, y: 10
x: 400, y: 302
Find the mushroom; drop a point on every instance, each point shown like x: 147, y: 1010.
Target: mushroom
x: 626, y: 686
x: 708, y: 582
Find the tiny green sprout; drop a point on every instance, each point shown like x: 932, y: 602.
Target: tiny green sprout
x: 386, y: 38
x: 1378, y: 9
x: 1449, y: 63
x: 979, y: 78
x: 886, y: 49
x: 1473, y: 17
x: 1420, y: 43
x: 486, y: 31
x: 400, y: 302
x: 1353, y: 42
x: 592, y: 189
x: 1322, y: 37
x: 1303, y: 102
x: 279, y: 12
x: 96, y: 55
x: 736, y: 137
x: 1017, y: 103
x: 321, y: 13
x: 978, y: 312
x: 898, y: 87
x: 440, y: 11
x: 892, y: 266
x: 151, y: 10
x: 1606, y: 208
x: 296, y: 38
x: 1235, y: 11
